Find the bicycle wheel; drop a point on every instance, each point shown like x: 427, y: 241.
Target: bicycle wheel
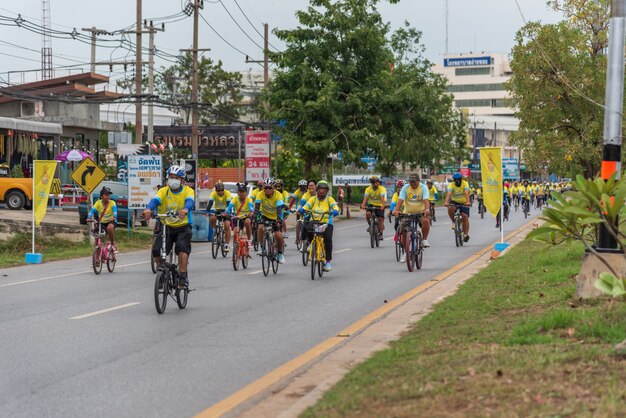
x: 410, y: 260
x: 432, y: 216
x: 373, y: 232
x: 181, y: 298
x: 236, y: 255
x: 223, y: 243
x: 313, y: 251
x: 305, y: 253
x: 376, y: 236
x: 457, y: 233
x: 96, y: 262
x: 215, y: 241
x: 161, y: 290
x: 398, y: 249
x: 298, y: 241
x: 246, y: 255
x: 265, y: 256
x: 460, y: 228
x: 419, y: 250
x: 153, y: 263
x: 111, y: 261
x: 482, y: 212
x: 274, y: 257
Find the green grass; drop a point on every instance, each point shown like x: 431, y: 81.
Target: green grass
x: 510, y: 342
x: 12, y: 251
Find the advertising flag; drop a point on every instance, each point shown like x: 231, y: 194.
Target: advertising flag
x: 491, y: 172
x: 42, y: 180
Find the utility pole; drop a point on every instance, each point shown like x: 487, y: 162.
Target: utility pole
x: 613, y: 111
x: 151, y: 31
x: 94, y: 32
x: 138, y: 76
x: 194, y: 83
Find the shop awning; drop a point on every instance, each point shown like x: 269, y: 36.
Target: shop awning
x: 30, y: 126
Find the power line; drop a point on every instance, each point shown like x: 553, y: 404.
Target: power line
x: 239, y: 26
x: 222, y: 38
x: 253, y: 25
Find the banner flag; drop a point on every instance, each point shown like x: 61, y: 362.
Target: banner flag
x: 491, y: 172
x: 42, y: 180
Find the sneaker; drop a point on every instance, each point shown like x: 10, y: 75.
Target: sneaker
x: 327, y: 266
x: 425, y: 243
x: 226, y: 248
x: 403, y: 258
x: 285, y: 235
x: 466, y: 238
x: 497, y: 226
x: 281, y: 259
x: 183, y: 281
x: 380, y: 237
x: 452, y: 227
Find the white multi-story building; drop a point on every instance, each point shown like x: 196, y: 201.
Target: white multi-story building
x: 477, y: 82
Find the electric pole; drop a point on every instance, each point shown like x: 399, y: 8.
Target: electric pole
x: 94, y: 32
x: 151, y: 31
x: 194, y: 83
x: 138, y: 76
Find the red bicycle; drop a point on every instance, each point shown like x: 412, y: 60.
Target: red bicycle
x: 101, y: 253
x: 241, y: 246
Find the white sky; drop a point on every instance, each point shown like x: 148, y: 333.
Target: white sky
x: 475, y: 25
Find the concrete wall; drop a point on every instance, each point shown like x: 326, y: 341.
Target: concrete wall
x: 9, y: 228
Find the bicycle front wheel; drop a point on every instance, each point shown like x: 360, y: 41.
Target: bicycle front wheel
x: 373, y: 232
x: 298, y: 241
x: 236, y: 256
x: 153, y: 263
x: 410, y: 260
x: 457, y: 233
x: 246, y: 255
x: 305, y: 253
x: 215, y: 245
x: 161, y: 290
x: 313, y: 252
x: 223, y: 244
x: 111, y: 261
x: 419, y: 251
x: 96, y: 260
x: 273, y: 257
x: 265, y: 256
x: 398, y: 248
x: 181, y: 298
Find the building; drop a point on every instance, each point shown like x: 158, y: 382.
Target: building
x: 477, y: 82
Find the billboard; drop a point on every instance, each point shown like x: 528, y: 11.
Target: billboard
x: 214, y: 142
x: 257, y: 155
x: 353, y: 180
x: 467, y: 62
x: 144, y: 179
x: 510, y: 168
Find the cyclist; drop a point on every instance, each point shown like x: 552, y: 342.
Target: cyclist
x: 175, y: 197
x: 458, y: 193
x: 242, y: 207
x: 414, y: 199
x: 394, y: 202
x: 259, y: 187
x: 479, y: 197
x: 526, y: 195
x: 321, y: 206
x: 375, y: 195
x: 506, y: 204
x: 296, y: 196
x: 433, y: 195
x: 221, y: 198
x: 311, y: 190
x: 279, y: 188
x: 270, y: 205
x: 540, y: 191
x: 106, y: 209
x: 515, y: 192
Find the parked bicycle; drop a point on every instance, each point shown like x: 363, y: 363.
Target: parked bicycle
x: 414, y: 241
x: 101, y: 253
x: 166, y: 282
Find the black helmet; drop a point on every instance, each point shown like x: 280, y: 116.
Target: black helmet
x: 105, y: 190
x: 241, y: 187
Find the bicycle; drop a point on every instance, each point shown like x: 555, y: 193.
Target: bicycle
x: 101, y: 254
x: 433, y: 218
x: 398, y: 242
x: 458, y: 225
x: 269, y: 252
x: 166, y: 282
x: 241, y: 248
x: 317, y: 250
x: 414, y: 242
x: 218, y: 242
x: 516, y: 202
x: 373, y: 226
x: 526, y: 208
x: 299, y: 226
x: 255, y: 229
x: 156, y: 233
x: 481, y: 208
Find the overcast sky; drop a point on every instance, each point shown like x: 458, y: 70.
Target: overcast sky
x: 475, y: 25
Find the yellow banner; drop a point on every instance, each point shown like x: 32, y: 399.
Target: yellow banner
x: 44, y: 174
x: 491, y: 172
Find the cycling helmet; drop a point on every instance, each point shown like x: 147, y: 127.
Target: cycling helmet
x: 323, y: 184
x: 302, y: 183
x: 374, y: 179
x: 105, y: 190
x: 400, y: 183
x: 241, y: 187
x: 269, y: 182
x: 177, y: 171
x: 457, y: 176
x: 279, y: 182
x: 219, y: 186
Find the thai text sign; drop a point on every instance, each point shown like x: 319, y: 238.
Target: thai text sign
x: 214, y: 142
x: 509, y: 168
x: 467, y: 62
x: 144, y: 179
x: 353, y: 180
x: 257, y: 155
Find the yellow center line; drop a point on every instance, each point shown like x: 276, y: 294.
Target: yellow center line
x: 258, y: 386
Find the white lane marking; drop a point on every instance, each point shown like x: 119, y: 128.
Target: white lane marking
x: 77, y: 273
x: 115, y: 308
x: 342, y: 251
x: 256, y: 272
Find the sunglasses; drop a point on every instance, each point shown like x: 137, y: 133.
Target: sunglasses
x: 268, y: 188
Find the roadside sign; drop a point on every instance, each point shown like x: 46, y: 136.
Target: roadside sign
x: 144, y: 179
x: 88, y: 175
x: 257, y: 155
x: 465, y: 171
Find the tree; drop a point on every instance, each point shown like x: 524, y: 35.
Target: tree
x: 558, y: 87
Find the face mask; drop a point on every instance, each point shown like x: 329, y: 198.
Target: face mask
x: 173, y: 183
x: 457, y: 182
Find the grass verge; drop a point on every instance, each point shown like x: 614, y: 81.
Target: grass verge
x: 12, y: 251
x: 511, y: 342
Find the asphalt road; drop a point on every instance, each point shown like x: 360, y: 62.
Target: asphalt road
x: 73, y: 344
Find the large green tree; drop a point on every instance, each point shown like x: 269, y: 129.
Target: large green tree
x: 558, y: 88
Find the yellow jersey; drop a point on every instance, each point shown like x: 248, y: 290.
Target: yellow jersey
x: 269, y: 205
x: 320, y: 207
x: 174, y: 202
x: 239, y: 208
x: 221, y: 202
x: 109, y: 215
x: 394, y: 202
x: 515, y: 190
x: 414, y: 198
x: 305, y: 198
x: 376, y: 197
x: 458, y: 192
x: 431, y: 194
x: 526, y: 191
